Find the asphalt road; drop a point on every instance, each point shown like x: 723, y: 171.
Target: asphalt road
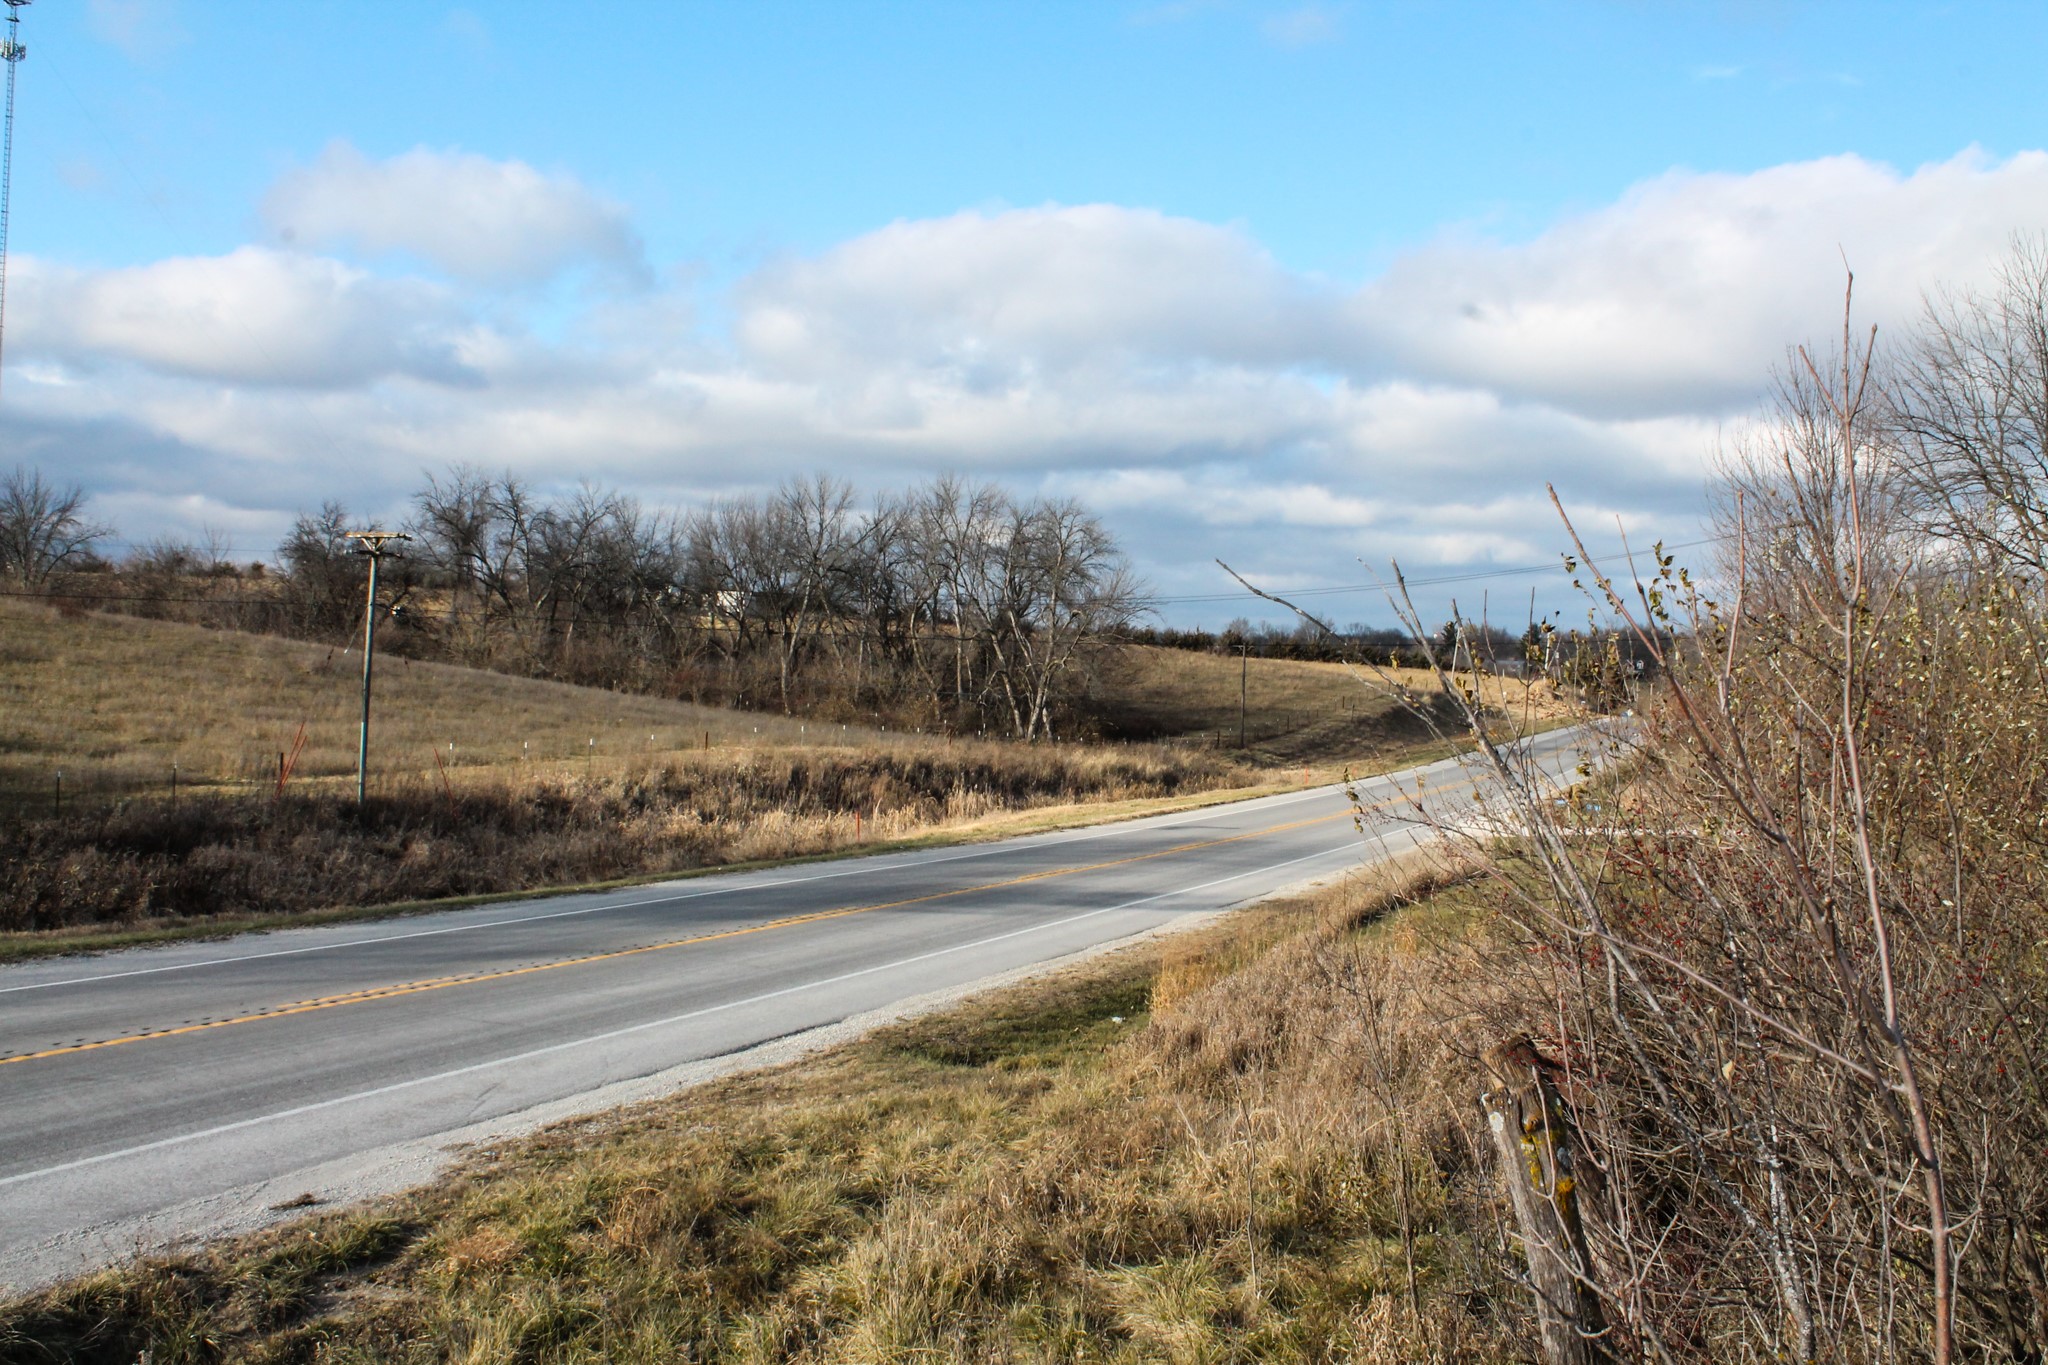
x: 165, y: 1092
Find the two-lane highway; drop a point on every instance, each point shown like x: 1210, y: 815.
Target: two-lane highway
x: 155, y: 1093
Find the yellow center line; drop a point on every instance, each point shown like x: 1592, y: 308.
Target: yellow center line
x: 374, y: 993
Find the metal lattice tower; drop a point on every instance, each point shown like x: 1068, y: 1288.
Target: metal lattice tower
x: 12, y: 50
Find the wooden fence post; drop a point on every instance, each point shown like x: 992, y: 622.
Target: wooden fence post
x: 1539, y: 1164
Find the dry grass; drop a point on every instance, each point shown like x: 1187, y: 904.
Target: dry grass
x: 489, y: 784
x: 149, y: 862
x: 1295, y: 711
x: 473, y: 793
x: 1123, y: 1163
x: 115, y: 701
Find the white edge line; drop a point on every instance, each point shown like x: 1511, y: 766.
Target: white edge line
x: 606, y: 1037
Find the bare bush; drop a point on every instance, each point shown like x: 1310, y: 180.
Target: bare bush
x: 1786, y: 982
x: 1788, y: 992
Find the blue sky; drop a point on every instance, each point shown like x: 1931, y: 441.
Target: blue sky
x: 1296, y: 285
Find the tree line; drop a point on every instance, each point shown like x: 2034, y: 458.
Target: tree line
x: 954, y: 605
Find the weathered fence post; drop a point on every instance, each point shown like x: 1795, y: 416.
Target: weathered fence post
x: 1539, y: 1164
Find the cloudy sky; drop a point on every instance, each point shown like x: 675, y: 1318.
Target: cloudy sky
x: 1305, y: 287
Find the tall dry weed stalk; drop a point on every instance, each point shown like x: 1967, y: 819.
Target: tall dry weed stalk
x: 1790, y: 993
x: 1793, y: 991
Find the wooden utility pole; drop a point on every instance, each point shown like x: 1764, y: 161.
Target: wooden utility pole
x: 1540, y: 1165
x: 369, y: 544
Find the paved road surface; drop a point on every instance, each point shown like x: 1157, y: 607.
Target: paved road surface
x: 163, y: 1092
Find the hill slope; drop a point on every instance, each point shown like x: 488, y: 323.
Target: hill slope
x: 113, y: 702
x: 1294, y: 711
x: 485, y: 784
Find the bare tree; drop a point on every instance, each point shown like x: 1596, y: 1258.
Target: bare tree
x: 813, y: 544
x: 952, y: 530
x: 729, y: 578
x: 323, y: 576
x: 879, y: 591
x: 952, y: 603
x: 480, y: 532
x: 1052, y: 585
x: 1970, y: 408
x: 43, y: 527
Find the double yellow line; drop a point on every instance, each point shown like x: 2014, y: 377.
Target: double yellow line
x: 376, y: 993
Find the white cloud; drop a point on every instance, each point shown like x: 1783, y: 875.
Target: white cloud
x: 1214, y: 497
x: 485, y: 221
x: 253, y: 316
x: 994, y: 299
x: 1446, y: 440
x: 1679, y: 297
x: 1208, y: 399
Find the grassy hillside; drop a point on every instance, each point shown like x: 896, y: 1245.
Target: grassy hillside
x: 1294, y: 711
x: 115, y: 701
x: 487, y: 784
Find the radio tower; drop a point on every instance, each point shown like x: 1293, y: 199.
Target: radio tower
x: 12, y: 50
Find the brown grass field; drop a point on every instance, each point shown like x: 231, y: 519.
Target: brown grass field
x: 484, y: 784
x: 1243, y: 1143
x: 113, y: 703
x: 1294, y: 711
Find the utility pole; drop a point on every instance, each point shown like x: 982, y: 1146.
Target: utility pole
x: 369, y: 544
